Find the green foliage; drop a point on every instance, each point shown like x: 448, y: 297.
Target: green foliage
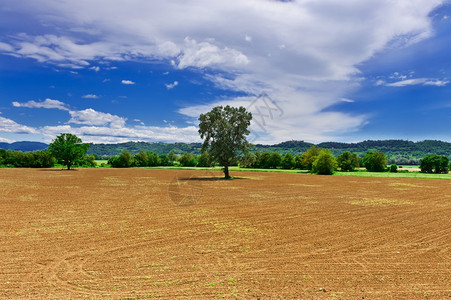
x: 37, y: 159
x: 188, y: 160
x: 87, y: 161
x: 309, y: 157
x: 248, y: 160
x: 141, y: 159
x: 204, y: 160
x: 172, y: 156
x: 164, y: 160
x: 288, y: 161
x: 325, y: 163
x: 348, y: 161
x: 224, y: 131
x: 67, y: 148
x: 153, y: 159
x: 275, y: 160
x: 124, y: 160
x: 375, y: 161
x: 434, y: 164
x: 393, y: 168
x: 263, y: 160
x: 298, y: 162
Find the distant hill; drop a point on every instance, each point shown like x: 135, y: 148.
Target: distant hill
x: 400, y: 151
x: 24, y: 146
x: 392, y: 148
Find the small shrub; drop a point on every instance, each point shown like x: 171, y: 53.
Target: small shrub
x: 393, y: 168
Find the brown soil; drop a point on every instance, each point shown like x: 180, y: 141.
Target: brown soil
x: 140, y: 233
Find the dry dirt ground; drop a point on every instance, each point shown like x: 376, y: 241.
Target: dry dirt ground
x: 142, y: 233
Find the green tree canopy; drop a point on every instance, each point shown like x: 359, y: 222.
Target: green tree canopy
x: 348, y: 161
x: 67, y: 148
x: 310, y: 156
x: 434, y: 164
x: 288, y: 161
x: 275, y: 160
x: 325, y: 163
x: 375, y: 161
x: 224, y: 130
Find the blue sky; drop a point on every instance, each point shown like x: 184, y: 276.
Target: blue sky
x: 116, y: 71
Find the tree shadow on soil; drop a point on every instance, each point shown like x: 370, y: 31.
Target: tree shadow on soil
x: 212, y: 178
x: 58, y: 170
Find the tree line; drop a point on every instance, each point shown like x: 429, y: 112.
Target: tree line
x: 68, y: 150
x: 315, y: 160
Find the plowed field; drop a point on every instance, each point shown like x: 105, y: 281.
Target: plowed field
x: 142, y: 233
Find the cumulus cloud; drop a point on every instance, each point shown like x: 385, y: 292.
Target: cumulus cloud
x: 99, y: 127
x: 47, y: 103
x: 304, y: 54
x: 91, y: 117
x: 170, y: 86
x: 205, y: 54
x: 10, y: 126
x: 103, y: 134
x: 127, y: 82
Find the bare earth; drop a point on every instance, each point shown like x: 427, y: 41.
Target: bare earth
x: 141, y: 233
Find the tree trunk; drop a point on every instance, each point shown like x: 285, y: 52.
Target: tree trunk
x: 226, y: 172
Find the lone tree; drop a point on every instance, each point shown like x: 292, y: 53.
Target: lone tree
x: 68, y: 148
x: 224, y: 130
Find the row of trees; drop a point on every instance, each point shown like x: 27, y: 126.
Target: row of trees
x: 435, y: 164
x: 67, y: 149
x: 18, y: 159
x: 40, y: 159
x: 316, y: 160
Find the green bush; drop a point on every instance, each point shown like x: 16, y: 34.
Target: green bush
x: 393, y: 168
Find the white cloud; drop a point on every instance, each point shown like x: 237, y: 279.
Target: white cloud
x: 91, y: 117
x: 47, y: 103
x: 437, y: 82
x: 101, y: 134
x: 95, y: 68
x: 418, y: 81
x: 127, y: 82
x: 205, y: 54
x: 4, y: 140
x: 10, y: 126
x: 304, y: 54
x: 170, y: 86
x: 90, y: 96
x: 347, y: 100
x: 379, y: 82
